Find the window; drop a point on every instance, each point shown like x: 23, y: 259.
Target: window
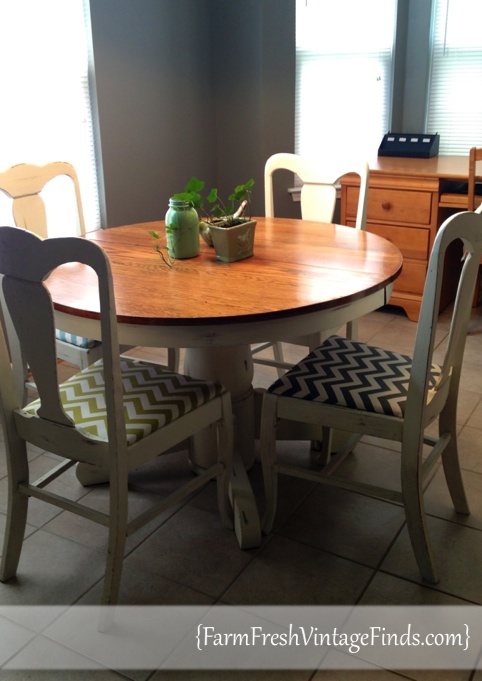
x: 455, y: 96
x: 46, y: 112
x: 344, y: 75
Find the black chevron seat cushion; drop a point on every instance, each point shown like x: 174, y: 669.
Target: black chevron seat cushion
x: 351, y: 374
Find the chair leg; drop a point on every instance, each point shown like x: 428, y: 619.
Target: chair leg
x: 225, y: 456
x: 14, y: 535
x: 450, y: 460
x: 117, y: 538
x: 352, y: 330
x: 475, y: 301
x: 412, y: 494
x: 278, y: 356
x: 17, y: 508
x: 173, y: 359
x: 268, y: 460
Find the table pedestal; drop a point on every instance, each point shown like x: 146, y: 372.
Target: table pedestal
x: 233, y: 367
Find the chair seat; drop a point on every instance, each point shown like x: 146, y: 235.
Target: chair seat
x: 79, y: 341
x: 153, y: 398
x: 352, y: 374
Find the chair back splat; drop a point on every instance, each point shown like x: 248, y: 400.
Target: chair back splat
x: 318, y: 202
x: 112, y: 417
x: 24, y: 183
x: 318, y: 191
x: 367, y: 390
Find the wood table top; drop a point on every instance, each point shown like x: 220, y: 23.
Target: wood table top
x: 298, y: 267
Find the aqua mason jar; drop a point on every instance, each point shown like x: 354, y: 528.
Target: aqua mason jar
x: 182, y: 230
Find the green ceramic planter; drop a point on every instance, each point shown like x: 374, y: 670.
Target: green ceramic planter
x: 233, y: 243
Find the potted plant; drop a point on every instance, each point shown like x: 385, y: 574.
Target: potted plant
x: 222, y: 224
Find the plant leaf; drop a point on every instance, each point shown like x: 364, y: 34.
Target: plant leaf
x: 194, y: 185
x: 196, y: 200
x: 183, y: 196
x: 213, y: 196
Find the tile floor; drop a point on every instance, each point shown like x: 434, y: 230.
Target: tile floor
x: 328, y: 546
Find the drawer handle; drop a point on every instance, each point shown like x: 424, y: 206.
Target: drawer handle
x: 386, y: 205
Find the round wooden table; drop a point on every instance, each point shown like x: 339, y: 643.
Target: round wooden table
x: 304, y: 277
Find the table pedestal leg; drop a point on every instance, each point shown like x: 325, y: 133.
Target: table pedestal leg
x: 233, y: 367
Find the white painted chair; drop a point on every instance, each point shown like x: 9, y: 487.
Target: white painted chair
x: 318, y: 202
x: 369, y: 391
x: 23, y: 183
x: 115, y: 415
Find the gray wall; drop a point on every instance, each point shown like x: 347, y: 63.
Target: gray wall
x: 206, y: 88
x: 154, y: 84
x: 254, y: 75
x: 417, y: 66
x: 189, y: 87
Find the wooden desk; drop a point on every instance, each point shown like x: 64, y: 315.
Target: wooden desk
x: 407, y: 203
x: 304, y: 277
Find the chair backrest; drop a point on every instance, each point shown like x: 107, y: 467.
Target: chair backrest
x: 424, y: 401
x: 318, y: 193
x: 25, y: 263
x: 474, y: 156
x: 24, y: 182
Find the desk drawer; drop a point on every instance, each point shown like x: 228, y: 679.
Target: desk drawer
x: 413, y: 243
x: 412, y: 277
x: 393, y: 205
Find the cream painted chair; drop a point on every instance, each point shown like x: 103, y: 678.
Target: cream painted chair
x: 115, y: 415
x: 24, y: 183
x: 370, y: 391
x: 318, y: 202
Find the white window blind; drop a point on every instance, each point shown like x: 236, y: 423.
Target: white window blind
x: 344, y: 75
x: 455, y: 93
x: 46, y: 111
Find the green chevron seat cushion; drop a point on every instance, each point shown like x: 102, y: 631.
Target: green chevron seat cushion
x: 153, y: 398
x: 71, y: 338
x: 351, y: 374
